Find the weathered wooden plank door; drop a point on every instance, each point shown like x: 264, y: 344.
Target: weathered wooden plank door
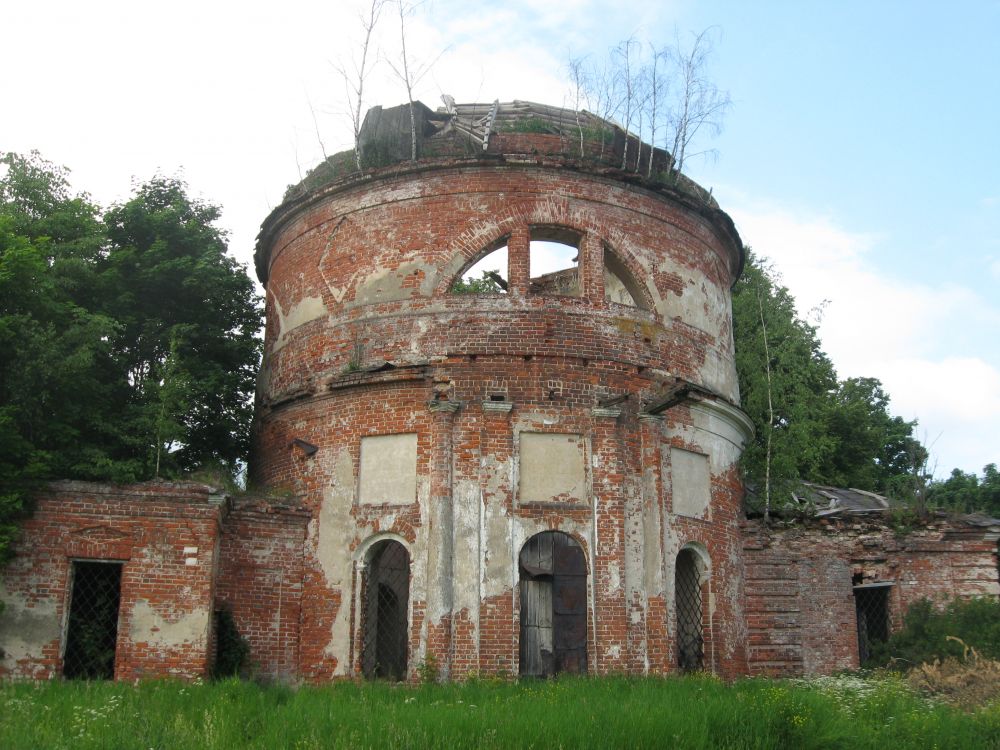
x: 553, y: 588
x: 569, y: 605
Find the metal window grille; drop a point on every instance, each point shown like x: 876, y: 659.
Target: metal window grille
x: 871, y: 602
x: 92, y: 631
x: 386, y: 630
x: 690, y: 637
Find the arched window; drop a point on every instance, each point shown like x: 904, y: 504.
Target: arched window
x: 688, y: 600
x: 386, y: 603
x: 487, y: 275
x: 619, y: 284
x: 554, y: 261
x: 553, y: 587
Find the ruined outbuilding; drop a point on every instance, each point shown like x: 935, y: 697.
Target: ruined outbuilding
x: 532, y: 475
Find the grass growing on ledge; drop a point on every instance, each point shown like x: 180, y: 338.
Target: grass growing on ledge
x: 692, y: 712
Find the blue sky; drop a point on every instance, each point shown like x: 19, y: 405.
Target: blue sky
x: 860, y: 153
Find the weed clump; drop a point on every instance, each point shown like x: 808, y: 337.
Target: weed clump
x: 968, y: 683
x: 932, y: 634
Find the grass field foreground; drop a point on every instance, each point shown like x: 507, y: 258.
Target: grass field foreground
x: 690, y: 712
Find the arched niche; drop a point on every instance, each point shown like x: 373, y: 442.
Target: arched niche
x: 620, y: 284
x: 689, y: 576
x: 385, y: 611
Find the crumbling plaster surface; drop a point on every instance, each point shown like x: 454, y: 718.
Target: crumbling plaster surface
x: 305, y: 311
x: 388, y: 469
x: 330, y: 532
x: 399, y: 283
x: 162, y: 628
x: 381, y: 256
x: 27, y: 627
x: 552, y: 467
x: 691, y: 483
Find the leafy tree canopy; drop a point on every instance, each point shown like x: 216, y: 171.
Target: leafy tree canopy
x: 130, y: 340
x: 487, y: 283
x: 188, y: 316
x: 810, y: 425
x: 966, y: 493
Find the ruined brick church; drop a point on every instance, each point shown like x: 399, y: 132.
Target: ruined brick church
x: 499, y: 429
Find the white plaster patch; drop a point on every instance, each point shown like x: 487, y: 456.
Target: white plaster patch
x: 388, y: 469
x: 307, y: 309
x: 24, y: 630
x: 614, y: 577
x: 157, y: 630
x: 391, y: 284
x: 332, y: 551
x: 334, y: 518
x: 701, y: 304
x: 552, y: 467
x: 497, y: 575
x: 691, y: 482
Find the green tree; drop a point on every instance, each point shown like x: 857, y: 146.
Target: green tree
x: 56, y: 360
x: 810, y: 426
x: 490, y: 282
x: 967, y: 493
x: 989, y: 490
x: 188, y: 316
x: 875, y: 451
x: 786, y: 382
x: 129, y: 345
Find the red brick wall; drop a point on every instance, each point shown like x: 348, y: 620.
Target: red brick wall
x: 260, y: 582
x: 358, y: 273
x: 166, y: 587
x: 800, y: 603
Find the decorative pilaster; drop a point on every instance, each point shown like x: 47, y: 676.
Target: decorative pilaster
x: 609, y: 559
x: 498, y: 626
x: 440, y: 553
x: 658, y: 647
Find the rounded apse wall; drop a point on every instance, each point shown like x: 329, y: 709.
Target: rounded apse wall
x: 597, y: 398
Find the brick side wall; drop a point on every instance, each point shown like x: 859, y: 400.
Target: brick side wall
x: 260, y: 582
x: 166, y: 537
x: 800, y: 603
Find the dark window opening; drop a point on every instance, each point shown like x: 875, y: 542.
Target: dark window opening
x: 92, y: 630
x: 871, y: 602
x: 488, y: 275
x: 554, y: 262
x: 385, y: 628
x: 690, y: 630
x: 553, y: 589
x: 619, y: 284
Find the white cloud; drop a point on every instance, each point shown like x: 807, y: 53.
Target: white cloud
x: 904, y: 333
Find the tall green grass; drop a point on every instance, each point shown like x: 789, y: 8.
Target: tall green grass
x: 693, y: 712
